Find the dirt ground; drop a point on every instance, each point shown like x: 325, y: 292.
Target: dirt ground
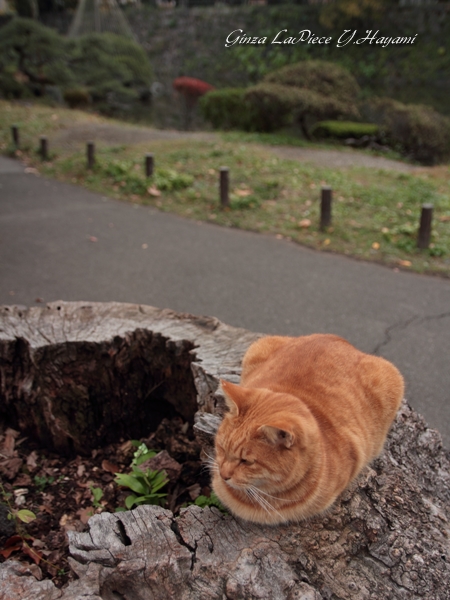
x: 112, y: 134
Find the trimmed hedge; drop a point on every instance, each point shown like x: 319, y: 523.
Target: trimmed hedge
x: 276, y: 105
x: 324, y: 78
x: 226, y: 109
x: 298, y: 94
x: 344, y: 129
x: 417, y: 131
x: 113, y: 71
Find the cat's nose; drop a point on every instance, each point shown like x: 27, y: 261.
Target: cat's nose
x: 225, y: 474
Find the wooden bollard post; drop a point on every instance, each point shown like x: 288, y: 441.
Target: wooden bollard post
x: 424, y: 235
x: 224, y: 186
x: 90, y: 149
x: 44, y: 147
x: 325, y: 207
x: 149, y: 164
x: 15, y: 135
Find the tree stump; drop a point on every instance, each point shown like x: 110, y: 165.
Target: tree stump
x: 75, y: 374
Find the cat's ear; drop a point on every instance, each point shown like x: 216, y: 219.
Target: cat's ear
x: 234, y: 397
x: 277, y: 435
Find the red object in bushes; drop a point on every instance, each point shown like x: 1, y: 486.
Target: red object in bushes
x: 189, y: 86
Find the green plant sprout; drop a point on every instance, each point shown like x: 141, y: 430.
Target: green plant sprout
x: 213, y: 500
x: 142, y: 453
x: 146, y: 486
x: 97, y: 494
x: 42, y: 482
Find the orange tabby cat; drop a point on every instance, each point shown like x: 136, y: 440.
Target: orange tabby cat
x: 309, y: 414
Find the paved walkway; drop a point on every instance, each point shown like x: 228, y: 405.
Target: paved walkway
x: 60, y: 242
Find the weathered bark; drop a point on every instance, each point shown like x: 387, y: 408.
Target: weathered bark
x: 76, y: 376
x: 387, y: 537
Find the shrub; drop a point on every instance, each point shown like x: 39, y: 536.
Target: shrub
x: 226, y: 109
x: 344, y: 129
x: 323, y: 90
x: 324, y: 78
x: 415, y: 130
x: 271, y: 106
x: 32, y: 56
x: 274, y: 105
x: 114, y: 70
x: 77, y: 97
x: 191, y: 87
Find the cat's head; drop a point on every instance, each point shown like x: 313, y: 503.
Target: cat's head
x: 263, y: 447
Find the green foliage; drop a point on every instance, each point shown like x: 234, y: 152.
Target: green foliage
x: 42, y: 482
x: 107, y: 69
x: 31, y: 57
x: 347, y: 14
x: 146, y: 486
x: 24, y: 515
x: 276, y: 105
x: 131, y: 180
x: 142, y: 453
x: 125, y: 174
x: 170, y: 180
x: 77, y: 97
x: 113, y: 69
x: 324, y: 78
x: 294, y: 94
x: 212, y: 500
x: 415, y: 130
x: 227, y: 109
x: 344, y: 129
x: 97, y: 495
x: 272, y: 106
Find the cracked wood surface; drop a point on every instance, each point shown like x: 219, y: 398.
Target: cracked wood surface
x: 109, y: 365
x: 387, y: 537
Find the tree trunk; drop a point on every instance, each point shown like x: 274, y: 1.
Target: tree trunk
x: 385, y: 538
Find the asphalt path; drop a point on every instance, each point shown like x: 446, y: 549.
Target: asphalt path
x: 61, y: 242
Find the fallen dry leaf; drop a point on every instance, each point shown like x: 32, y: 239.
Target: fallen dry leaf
x: 153, y: 191
x: 10, y: 467
x: 444, y: 218
x: 35, y: 555
x: 243, y: 192
x: 110, y: 467
x: 23, y: 479
x: 11, y: 547
x: 305, y: 223
x: 32, y: 460
x: 375, y: 245
x: 85, y: 514
x: 194, y: 491
x: 327, y: 242
x: 92, y: 238
x: 404, y: 263
x: 9, y: 442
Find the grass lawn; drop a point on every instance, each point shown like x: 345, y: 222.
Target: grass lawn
x: 375, y: 212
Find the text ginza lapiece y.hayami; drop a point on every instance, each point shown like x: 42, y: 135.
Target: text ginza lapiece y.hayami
x: 306, y: 36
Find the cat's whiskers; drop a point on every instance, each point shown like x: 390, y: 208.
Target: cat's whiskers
x: 254, y: 493
x: 210, y: 463
x: 274, y: 497
x: 255, y: 499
